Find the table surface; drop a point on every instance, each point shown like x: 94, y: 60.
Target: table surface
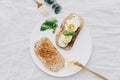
x: 19, y: 17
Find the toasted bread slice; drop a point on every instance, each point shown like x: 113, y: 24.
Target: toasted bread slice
x: 62, y: 28
x: 49, y: 55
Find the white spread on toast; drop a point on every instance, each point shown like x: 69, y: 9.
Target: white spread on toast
x: 71, y: 24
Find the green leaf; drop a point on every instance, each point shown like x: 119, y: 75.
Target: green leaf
x: 49, y: 24
x: 51, y: 21
x: 54, y: 26
x: 68, y: 33
x: 44, y: 27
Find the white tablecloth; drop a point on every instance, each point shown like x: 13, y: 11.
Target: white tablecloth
x: 19, y: 17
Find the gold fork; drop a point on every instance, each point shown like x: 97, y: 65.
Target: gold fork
x: 41, y: 8
x: 82, y: 66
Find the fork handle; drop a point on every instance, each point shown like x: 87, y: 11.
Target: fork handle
x: 92, y: 72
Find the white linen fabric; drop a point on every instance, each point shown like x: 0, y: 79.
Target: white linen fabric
x: 19, y: 17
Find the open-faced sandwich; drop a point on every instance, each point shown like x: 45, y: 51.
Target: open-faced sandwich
x: 69, y: 31
x: 49, y: 55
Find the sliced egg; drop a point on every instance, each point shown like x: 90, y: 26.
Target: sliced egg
x: 71, y: 27
x: 64, y: 40
x: 73, y: 23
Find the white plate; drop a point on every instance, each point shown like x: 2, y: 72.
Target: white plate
x: 81, y: 49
